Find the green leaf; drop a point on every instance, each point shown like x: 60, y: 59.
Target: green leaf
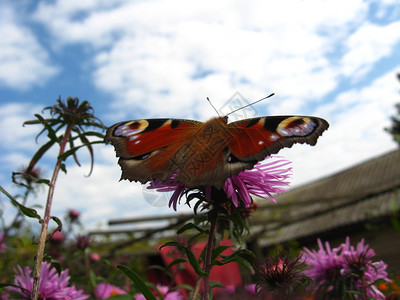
x: 73, y: 150
x: 189, y: 226
x: 56, y: 264
x: 175, y: 262
x: 184, y: 286
x: 71, y: 146
x: 29, y: 212
x: 50, y: 132
x: 214, y: 284
x: 86, y: 142
x: 63, y: 168
x: 38, y: 155
x: 3, y: 285
x: 217, y: 251
x: 241, y: 256
x: 45, y: 181
x: 120, y: 297
x: 92, y: 277
x: 192, y: 259
x: 59, y: 223
x: 138, y: 281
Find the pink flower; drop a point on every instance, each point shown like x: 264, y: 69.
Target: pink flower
x: 164, y: 292
x: 264, y: 180
x: 326, y: 263
x: 349, y: 268
x: 105, y: 290
x: 52, y: 285
x: 94, y: 257
x: 57, y: 238
x: 73, y: 215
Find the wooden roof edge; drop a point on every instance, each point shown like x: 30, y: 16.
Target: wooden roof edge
x: 276, y: 239
x: 288, y: 193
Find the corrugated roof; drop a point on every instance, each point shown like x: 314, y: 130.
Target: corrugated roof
x: 368, y: 190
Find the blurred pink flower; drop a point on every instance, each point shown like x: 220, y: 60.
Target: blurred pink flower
x: 165, y: 293
x: 73, y: 215
x: 105, y: 290
x: 94, y: 257
x: 352, y: 267
x: 52, y: 285
x: 57, y: 238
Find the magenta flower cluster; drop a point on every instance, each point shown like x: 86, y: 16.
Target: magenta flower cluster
x: 105, y: 290
x: 52, y: 285
x: 351, y: 266
x: 265, y: 179
x: 164, y: 292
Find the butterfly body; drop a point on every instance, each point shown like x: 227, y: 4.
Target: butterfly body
x: 200, y: 154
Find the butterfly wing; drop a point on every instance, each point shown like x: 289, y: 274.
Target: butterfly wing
x: 146, y: 147
x: 224, y: 150
x: 256, y: 138
x: 201, y: 154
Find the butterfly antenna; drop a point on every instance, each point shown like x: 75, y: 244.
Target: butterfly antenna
x: 209, y: 101
x: 250, y: 104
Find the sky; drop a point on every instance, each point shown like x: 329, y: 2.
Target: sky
x: 336, y: 59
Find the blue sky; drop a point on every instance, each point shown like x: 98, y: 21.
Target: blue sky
x: 143, y: 59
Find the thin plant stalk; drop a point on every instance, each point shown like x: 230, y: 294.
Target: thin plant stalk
x: 207, y: 262
x: 197, y: 288
x: 46, y: 218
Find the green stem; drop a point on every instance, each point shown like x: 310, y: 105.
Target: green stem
x: 46, y: 218
x: 364, y: 287
x: 213, y: 216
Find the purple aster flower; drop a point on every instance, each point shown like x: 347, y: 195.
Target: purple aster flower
x: 52, y: 285
x: 265, y: 179
x: 326, y: 264
x: 345, y: 268
x: 357, y: 261
x: 105, y: 290
x: 164, y: 292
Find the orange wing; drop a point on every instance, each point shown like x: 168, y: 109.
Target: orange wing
x: 145, y: 147
x: 257, y: 138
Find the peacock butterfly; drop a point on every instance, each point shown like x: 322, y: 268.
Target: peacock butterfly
x: 200, y: 154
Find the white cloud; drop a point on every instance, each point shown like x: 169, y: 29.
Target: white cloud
x: 367, y: 45
x: 23, y: 61
x: 15, y: 136
x: 358, y: 119
x: 151, y: 53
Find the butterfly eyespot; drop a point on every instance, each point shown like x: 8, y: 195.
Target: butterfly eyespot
x: 131, y: 129
x: 296, y: 126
